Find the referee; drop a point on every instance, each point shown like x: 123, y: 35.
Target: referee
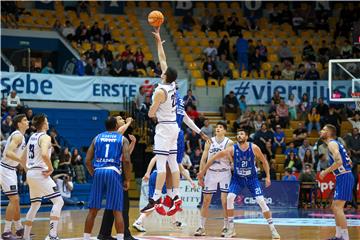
x: 108, y: 218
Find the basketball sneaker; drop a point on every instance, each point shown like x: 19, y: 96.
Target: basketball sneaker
x: 176, y: 206
x: 139, y: 227
x: 335, y: 238
x: 8, y: 236
x: 49, y: 237
x: 20, y: 234
x: 224, y: 231
x: 200, y: 232
x: 167, y: 201
x: 230, y: 233
x: 157, y: 205
x: 275, y: 235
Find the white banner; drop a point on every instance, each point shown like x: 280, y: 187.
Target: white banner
x: 54, y: 87
x: 190, y: 196
x: 260, y: 92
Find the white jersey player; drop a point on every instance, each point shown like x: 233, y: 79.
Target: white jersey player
x: 14, y: 148
x: 218, y: 173
x: 166, y: 133
x: 38, y: 163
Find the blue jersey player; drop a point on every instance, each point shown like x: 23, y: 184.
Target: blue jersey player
x: 341, y: 168
x: 104, y: 159
x: 244, y: 155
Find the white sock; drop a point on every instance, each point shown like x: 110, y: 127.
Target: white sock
x: 157, y: 195
x: 170, y: 193
x: 338, y: 232
x: 345, y: 234
x: 202, y: 222
x: 53, y: 228
x: 231, y: 222
x: 176, y: 192
x: 27, y: 231
x: 141, y: 218
x: 18, y: 225
x: 7, y: 227
x: 271, y: 224
x: 119, y: 236
x: 226, y: 222
x: 87, y: 236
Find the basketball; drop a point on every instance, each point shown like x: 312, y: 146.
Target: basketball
x: 155, y: 18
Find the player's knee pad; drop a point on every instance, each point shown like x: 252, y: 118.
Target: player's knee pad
x: 161, y: 163
x: 230, y: 199
x: 58, y: 203
x: 34, y: 208
x: 173, y: 165
x: 261, y: 201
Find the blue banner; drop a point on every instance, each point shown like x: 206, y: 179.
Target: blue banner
x: 54, y: 87
x: 259, y: 92
x: 279, y: 194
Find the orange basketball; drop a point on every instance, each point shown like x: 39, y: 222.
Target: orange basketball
x: 155, y: 18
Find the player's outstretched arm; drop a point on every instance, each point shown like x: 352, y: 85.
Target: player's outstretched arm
x: 190, y: 123
x: 334, y: 150
x: 16, y: 140
x: 161, y: 52
x: 123, y: 129
x: 132, y: 144
x: 45, y: 144
x: 259, y: 155
x: 127, y: 163
x: 159, y: 97
x: 89, y: 158
x: 149, y: 168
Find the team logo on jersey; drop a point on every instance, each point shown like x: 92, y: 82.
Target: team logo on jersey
x: 215, y: 150
x: 13, y: 187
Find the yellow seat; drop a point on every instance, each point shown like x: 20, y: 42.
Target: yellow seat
x: 231, y: 65
x: 266, y: 66
x: 273, y: 58
x: 188, y: 58
x: 212, y: 34
x: 247, y: 34
x: 244, y: 74
x: 213, y: 83
x: 236, y: 74
x: 199, y: 82
x: 196, y: 74
x: 223, y: 82
x: 192, y: 65
x: 141, y: 72
x: 86, y: 46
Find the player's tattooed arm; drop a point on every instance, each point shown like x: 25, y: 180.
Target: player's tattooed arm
x: 260, y: 156
x: 334, y: 150
x: 45, y: 144
x: 149, y: 168
x: 161, y: 52
x: 159, y: 97
x: 16, y: 140
x: 132, y: 144
x: 127, y: 164
x: 89, y: 158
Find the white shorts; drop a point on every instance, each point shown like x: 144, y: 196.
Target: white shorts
x: 166, y: 135
x: 41, y: 186
x: 213, y: 178
x: 8, y: 181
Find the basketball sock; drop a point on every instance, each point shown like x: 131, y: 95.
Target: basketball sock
x: 157, y: 195
x: 202, y: 222
x: 338, y: 232
x: 27, y: 231
x: 271, y: 225
x: 87, y: 236
x: 141, y: 218
x: 7, y: 227
x: 176, y: 192
x: 226, y: 222
x: 53, y: 227
x: 170, y: 193
x: 345, y: 234
x: 119, y: 236
x: 231, y: 222
x: 18, y: 225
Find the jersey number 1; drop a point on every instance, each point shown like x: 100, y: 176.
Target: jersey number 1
x: 107, y: 146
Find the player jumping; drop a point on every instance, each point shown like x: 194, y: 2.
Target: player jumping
x: 243, y: 155
x: 341, y: 168
x: 218, y: 173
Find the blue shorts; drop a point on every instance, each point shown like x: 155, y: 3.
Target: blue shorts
x: 152, y: 184
x: 108, y: 182
x: 237, y: 184
x: 180, y: 147
x: 344, y: 187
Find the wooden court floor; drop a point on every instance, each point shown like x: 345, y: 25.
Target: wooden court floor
x: 249, y: 225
